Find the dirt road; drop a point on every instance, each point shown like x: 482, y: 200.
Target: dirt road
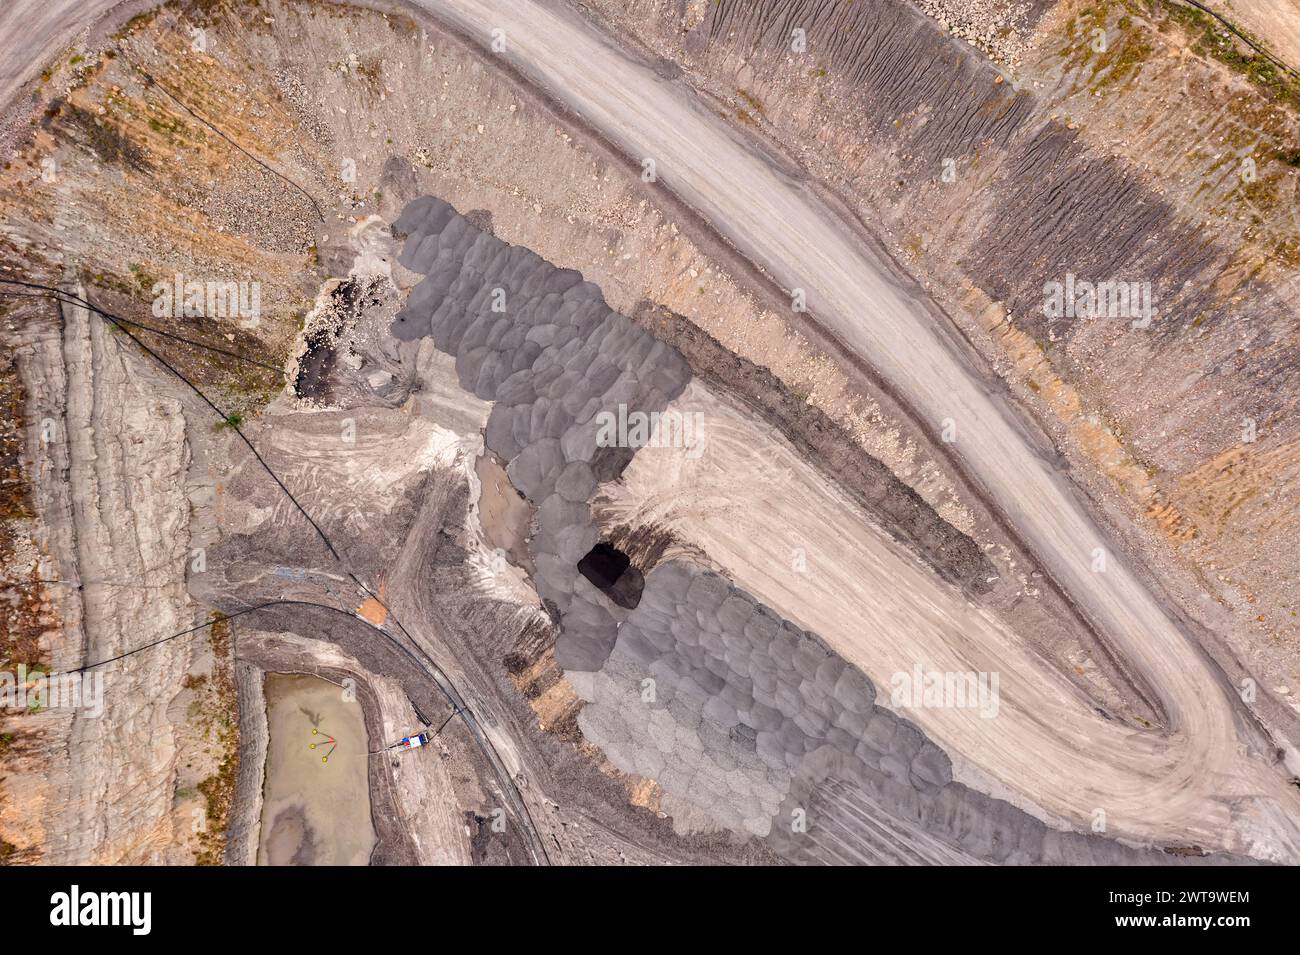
x: 855, y: 293
x: 786, y: 229
x: 881, y: 609
x: 32, y: 32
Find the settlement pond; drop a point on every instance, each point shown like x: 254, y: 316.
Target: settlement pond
x: 316, y: 797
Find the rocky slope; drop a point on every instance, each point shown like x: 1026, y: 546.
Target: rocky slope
x: 107, y: 455
x: 278, y: 150
x: 1118, y: 141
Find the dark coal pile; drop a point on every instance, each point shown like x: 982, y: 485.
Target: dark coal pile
x: 317, y: 363
x: 611, y: 571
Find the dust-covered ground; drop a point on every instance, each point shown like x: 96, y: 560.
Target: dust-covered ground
x: 384, y: 496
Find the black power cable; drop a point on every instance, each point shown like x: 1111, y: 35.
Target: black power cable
x: 150, y: 81
x: 61, y: 296
x: 431, y: 666
x: 70, y: 298
x: 1241, y: 36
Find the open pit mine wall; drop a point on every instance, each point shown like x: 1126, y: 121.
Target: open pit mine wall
x: 751, y: 720
x: 108, y: 459
x: 884, y: 96
x: 922, y: 97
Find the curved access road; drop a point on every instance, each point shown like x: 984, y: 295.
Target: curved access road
x: 784, y: 228
x: 1217, y: 792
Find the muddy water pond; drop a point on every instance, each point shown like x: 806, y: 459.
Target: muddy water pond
x: 316, y: 800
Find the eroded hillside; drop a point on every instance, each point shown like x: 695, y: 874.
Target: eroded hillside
x: 219, y: 196
x: 1137, y: 142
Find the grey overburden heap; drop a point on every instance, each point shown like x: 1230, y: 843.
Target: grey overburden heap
x: 745, y: 720
x: 545, y: 347
x: 743, y: 715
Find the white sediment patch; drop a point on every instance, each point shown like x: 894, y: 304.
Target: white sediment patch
x: 781, y: 531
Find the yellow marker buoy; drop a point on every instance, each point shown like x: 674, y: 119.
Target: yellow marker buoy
x: 311, y: 745
x: 324, y: 759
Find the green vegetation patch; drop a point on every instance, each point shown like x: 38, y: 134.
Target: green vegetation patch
x: 218, y: 790
x: 1214, y: 40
